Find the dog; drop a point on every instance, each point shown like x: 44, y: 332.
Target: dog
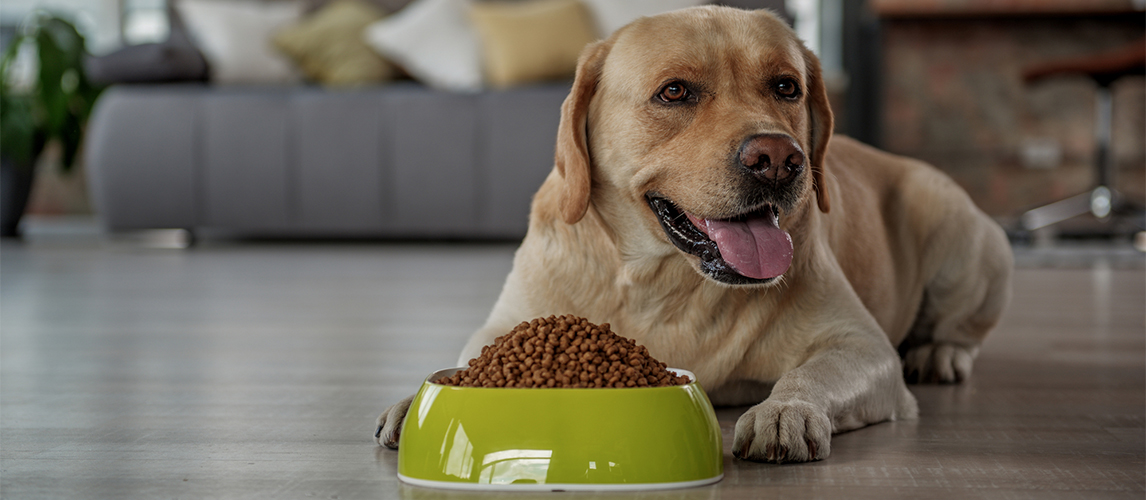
x: 700, y: 205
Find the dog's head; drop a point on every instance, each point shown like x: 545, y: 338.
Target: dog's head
x: 709, y: 125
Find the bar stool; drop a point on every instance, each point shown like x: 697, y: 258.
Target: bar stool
x: 1104, y: 68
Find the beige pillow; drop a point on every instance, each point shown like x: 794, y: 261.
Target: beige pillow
x: 329, y: 48
x: 526, y: 42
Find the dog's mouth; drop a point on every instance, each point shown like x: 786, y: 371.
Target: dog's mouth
x: 743, y: 250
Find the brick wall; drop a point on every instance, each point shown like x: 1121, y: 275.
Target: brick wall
x: 953, y: 96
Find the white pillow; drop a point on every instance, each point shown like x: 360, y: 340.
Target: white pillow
x: 611, y: 15
x: 235, y: 37
x: 434, y: 42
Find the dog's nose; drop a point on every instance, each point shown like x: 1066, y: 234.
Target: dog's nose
x: 775, y: 157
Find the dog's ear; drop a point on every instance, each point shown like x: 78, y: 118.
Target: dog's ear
x: 572, y: 158
x: 820, y: 127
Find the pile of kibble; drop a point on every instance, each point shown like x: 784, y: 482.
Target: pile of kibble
x: 564, y: 351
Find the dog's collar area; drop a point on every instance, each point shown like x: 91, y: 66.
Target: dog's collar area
x: 689, y: 239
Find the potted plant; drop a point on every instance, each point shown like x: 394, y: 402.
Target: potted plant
x: 53, y: 109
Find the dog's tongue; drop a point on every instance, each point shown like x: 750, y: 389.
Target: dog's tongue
x: 755, y: 248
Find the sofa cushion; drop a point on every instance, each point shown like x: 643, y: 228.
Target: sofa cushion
x: 235, y: 36
x: 434, y: 42
x: 148, y: 63
x: 329, y: 48
x: 384, y: 5
x: 173, y: 60
x: 531, y: 41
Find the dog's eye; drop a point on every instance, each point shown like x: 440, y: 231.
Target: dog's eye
x: 674, y: 92
x: 787, y: 88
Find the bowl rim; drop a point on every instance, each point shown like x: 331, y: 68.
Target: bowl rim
x: 555, y: 487
x: 445, y: 372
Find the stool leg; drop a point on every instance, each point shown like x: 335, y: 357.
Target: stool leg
x: 1057, y: 212
x: 1102, y: 199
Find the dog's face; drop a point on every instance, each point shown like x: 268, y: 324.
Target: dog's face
x: 708, y: 124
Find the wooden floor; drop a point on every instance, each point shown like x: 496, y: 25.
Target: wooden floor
x: 236, y: 370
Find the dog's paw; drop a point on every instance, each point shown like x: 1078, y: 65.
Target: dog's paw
x: 783, y: 432
x: 390, y: 423
x: 938, y: 363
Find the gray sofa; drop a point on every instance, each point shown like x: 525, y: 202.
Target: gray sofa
x: 391, y: 161
x: 394, y: 161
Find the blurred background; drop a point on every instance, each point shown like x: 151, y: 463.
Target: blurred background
x: 236, y: 230
x: 323, y: 118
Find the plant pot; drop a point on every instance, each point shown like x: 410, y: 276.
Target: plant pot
x: 15, y: 186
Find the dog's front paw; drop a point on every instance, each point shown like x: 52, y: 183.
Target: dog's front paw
x: 390, y: 423
x: 938, y: 363
x: 783, y: 432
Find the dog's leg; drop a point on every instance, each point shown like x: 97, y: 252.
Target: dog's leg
x: 960, y: 306
x: 939, y: 349
x: 942, y: 346
x: 854, y: 383
x: 390, y: 423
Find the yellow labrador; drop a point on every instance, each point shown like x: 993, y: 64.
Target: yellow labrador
x: 700, y: 205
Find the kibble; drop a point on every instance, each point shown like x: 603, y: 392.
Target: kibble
x: 564, y: 351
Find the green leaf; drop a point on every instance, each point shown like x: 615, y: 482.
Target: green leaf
x: 62, y: 100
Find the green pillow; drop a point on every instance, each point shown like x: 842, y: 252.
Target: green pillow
x: 328, y: 45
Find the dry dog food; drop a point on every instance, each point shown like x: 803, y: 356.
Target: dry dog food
x: 564, y: 351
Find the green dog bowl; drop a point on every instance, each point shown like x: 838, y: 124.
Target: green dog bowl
x: 476, y: 438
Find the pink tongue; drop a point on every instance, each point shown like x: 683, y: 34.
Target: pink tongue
x: 755, y: 248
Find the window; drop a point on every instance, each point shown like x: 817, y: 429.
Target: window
x: 144, y: 21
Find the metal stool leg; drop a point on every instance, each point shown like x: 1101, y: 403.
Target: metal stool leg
x: 1101, y: 200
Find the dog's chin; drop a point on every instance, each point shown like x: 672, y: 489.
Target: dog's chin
x: 684, y: 234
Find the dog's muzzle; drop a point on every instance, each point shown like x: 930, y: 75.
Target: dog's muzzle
x: 749, y: 249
